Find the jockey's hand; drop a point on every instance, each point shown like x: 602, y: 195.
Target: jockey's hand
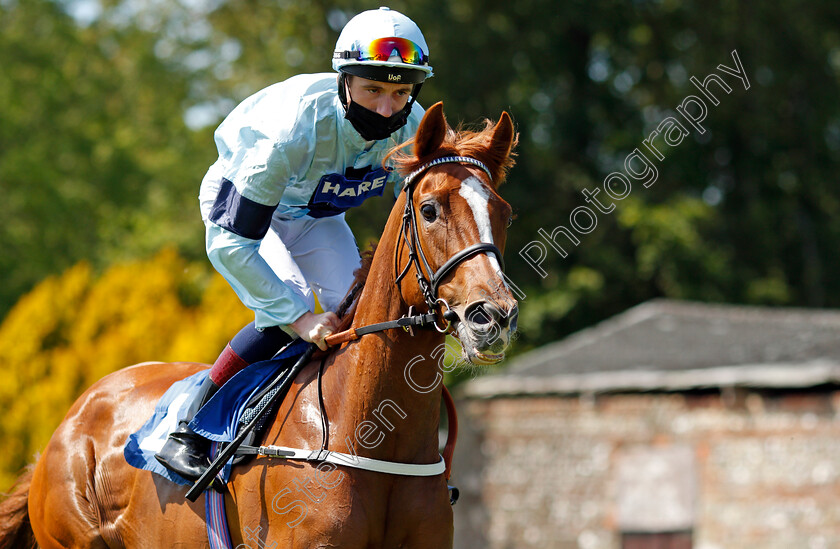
x: 314, y: 328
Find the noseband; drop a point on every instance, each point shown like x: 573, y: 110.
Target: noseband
x: 429, y: 283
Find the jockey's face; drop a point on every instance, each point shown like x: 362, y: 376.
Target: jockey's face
x: 383, y: 98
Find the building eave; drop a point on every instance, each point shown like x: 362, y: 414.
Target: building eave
x: 766, y: 376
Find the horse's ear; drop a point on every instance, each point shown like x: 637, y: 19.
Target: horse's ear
x: 501, y: 142
x: 431, y: 132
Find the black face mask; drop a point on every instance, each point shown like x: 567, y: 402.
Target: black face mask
x: 373, y: 126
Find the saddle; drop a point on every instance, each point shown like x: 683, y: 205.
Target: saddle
x: 219, y: 420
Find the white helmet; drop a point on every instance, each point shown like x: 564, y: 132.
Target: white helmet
x: 383, y: 45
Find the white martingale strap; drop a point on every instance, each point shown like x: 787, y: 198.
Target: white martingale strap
x: 357, y: 462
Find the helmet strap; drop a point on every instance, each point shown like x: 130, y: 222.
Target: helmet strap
x: 342, y: 89
x: 414, y: 93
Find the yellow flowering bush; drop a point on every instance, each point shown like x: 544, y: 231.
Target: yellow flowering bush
x: 75, y: 328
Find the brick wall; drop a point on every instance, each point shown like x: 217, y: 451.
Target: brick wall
x: 759, y: 469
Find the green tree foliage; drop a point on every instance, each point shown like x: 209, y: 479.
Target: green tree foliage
x: 97, y: 162
x: 105, y: 132
x: 746, y: 212
x: 95, y: 159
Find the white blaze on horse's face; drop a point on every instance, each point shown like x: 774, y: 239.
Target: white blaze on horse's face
x: 478, y: 198
x: 486, y: 323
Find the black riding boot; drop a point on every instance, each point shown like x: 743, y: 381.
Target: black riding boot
x: 186, y: 452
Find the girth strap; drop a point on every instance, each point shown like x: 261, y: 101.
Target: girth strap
x: 452, y: 434
x: 407, y: 469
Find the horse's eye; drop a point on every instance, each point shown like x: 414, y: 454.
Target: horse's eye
x: 510, y: 221
x: 428, y: 212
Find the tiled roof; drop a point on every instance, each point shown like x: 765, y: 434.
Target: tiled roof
x: 675, y: 345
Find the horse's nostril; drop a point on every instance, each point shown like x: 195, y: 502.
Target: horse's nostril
x: 483, y: 313
x: 477, y: 314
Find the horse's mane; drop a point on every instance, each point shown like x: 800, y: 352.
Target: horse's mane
x: 359, y: 278
x: 458, y: 142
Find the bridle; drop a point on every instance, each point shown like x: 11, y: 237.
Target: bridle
x: 429, y: 281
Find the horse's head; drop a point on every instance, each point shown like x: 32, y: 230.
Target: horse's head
x: 454, y: 231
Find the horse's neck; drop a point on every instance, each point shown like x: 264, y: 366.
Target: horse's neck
x: 378, y: 387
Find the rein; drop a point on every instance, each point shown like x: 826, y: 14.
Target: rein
x: 407, y: 322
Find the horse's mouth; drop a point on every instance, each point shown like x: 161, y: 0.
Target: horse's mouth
x: 483, y: 359
x: 477, y: 350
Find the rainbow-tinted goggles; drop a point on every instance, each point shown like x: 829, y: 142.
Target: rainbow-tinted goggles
x: 382, y: 49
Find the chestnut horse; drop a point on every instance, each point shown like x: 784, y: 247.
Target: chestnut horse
x: 381, y: 393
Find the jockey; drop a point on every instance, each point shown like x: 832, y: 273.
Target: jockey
x: 292, y: 159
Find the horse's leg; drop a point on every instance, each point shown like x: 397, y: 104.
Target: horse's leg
x: 283, y: 503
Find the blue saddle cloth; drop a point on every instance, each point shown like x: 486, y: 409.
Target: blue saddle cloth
x: 218, y: 420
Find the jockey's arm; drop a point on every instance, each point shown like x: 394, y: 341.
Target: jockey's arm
x: 259, y: 288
